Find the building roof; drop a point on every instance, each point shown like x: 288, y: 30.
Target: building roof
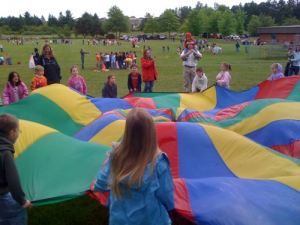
x: 294, y: 29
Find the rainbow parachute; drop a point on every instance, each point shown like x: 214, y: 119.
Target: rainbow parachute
x: 235, y: 156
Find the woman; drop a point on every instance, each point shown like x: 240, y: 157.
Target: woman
x: 48, y: 61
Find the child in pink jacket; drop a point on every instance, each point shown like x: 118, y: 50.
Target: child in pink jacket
x: 223, y: 78
x: 14, y: 90
x: 76, y: 81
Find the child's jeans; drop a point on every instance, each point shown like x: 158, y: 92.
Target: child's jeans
x: 11, y: 212
x: 148, y: 86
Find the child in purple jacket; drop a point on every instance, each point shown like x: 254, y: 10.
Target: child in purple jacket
x: 277, y: 72
x: 14, y: 90
x: 223, y: 78
x: 76, y: 81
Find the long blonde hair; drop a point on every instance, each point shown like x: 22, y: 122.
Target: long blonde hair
x: 137, y: 149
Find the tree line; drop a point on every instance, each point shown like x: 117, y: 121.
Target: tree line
x: 238, y: 19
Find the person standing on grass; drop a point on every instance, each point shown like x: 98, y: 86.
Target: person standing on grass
x: 82, y: 56
x: 295, y: 62
x: 134, y: 82
x: 223, y: 78
x: 190, y: 57
x: 149, y: 72
x: 110, y: 88
x: 36, y: 56
x: 39, y: 80
x: 200, y: 81
x: 13, y: 202
x: 138, y: 176
x: 107, y: 60
x: 76, y: 81
x: 237, y: 46
x: 51, y: 67
x: 14, y: 90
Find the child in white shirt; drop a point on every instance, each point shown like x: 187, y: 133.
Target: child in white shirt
x: 200, y: 81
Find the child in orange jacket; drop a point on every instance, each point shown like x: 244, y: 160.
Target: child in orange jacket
x: 39, y: 80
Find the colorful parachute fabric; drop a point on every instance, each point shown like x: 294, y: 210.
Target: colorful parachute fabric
x: 235, y: 156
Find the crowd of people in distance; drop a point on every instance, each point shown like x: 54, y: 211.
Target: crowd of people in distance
x: 47, y: 71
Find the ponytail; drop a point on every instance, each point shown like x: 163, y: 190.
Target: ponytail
x: 229, y: 67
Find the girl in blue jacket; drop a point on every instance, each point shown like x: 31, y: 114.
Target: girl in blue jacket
x: 137, y: 175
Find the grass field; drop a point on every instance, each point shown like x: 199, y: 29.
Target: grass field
x: 247, y: 71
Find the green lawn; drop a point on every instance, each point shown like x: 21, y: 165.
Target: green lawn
x: 246, y: 72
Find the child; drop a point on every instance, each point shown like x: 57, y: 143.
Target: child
x: 12, y: 198
x: 110, y: 88
x: 200, y: 81
x: 223, y: 78
x: 134, y: 79
x: 98, y: 61
x: 14, y: 90
x: 137, y: 175
x: 39, y: 80
x: 188, y: 40
x: 76, y: 81
x: 277, y: 72
x: 149, y: 71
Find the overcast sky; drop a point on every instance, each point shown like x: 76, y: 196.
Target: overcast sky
x: 136, y: 8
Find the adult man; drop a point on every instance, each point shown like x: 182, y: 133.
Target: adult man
x: 190, y: 57
x: 295, y: 62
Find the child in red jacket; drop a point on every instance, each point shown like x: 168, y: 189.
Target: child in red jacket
x: 149, y: 71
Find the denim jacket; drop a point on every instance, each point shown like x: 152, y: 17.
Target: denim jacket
x: 147, y: 204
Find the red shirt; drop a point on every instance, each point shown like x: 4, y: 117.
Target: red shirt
x: 134, y: 80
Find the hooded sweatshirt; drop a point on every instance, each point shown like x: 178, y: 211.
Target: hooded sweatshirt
x: 279, y: 74
x: 9, y: 177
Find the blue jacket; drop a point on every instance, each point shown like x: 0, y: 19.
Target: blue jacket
x: 145, y: 205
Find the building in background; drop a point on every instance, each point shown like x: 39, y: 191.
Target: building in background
x: 135, y: 22
x: 279, y: 34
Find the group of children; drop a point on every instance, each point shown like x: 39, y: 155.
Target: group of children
x: 15, y: 89
x: 134, y: 83
x: 115, y: 60
x: 200, y: 80
x: 223, y: 78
